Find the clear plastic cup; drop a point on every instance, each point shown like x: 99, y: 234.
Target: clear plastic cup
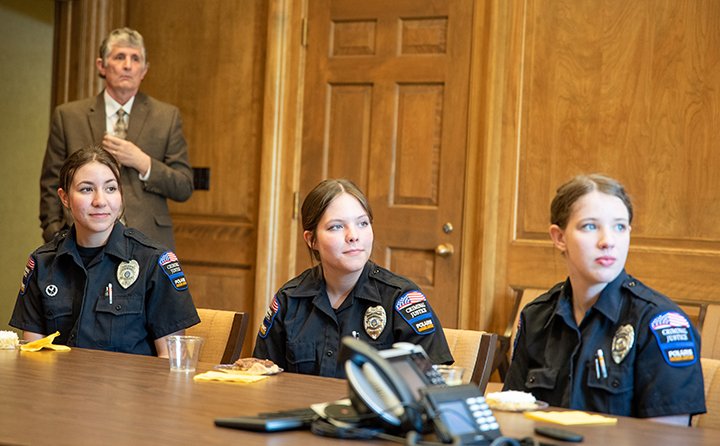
x: 453, y: 375
x: 183, y: 352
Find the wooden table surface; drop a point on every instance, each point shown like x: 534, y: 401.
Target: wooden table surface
x: 95, y: 397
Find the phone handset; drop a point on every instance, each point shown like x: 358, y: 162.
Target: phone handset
x: 384, y: 392
x: 375, y: 387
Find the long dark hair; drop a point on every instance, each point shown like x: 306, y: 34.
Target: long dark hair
x: 94, y: 153
x: 318, y: 200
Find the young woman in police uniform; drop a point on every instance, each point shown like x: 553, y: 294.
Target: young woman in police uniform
x: 602, y: 341
x: 101, y: 285
x: 345, y: 295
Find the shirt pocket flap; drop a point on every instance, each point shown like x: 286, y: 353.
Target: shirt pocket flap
x: 121, y: 305
x: 541, y: 379
x: 55, y: 308
x: 618, y: 380
x: 300, y: 352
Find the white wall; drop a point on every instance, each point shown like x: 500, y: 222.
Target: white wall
x: 26, y: 33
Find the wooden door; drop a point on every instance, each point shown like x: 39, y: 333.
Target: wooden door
x: 385, y: 106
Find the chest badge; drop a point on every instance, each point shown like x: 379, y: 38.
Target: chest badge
x: 375, y: 321
x: 622, y: 342
x: 51, y: 290
x: 127, y: 273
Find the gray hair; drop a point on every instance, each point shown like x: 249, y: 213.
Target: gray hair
x: 123, y: 37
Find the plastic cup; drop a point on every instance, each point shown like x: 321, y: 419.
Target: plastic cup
x: 453, y: 375
x: 183, y: 352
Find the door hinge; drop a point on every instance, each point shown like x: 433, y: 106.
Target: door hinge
x: 303, y: 39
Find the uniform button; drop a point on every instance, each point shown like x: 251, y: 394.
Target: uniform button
x: 49, y: 312
x: 118, y: 307
x: 72, y: 336
x: 615, y: 383
x: 329, y: 353
x: 532, y: 379
x: 631, y: 284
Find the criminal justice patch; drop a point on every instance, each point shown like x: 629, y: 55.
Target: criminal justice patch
x: 269, y: 317
x: 413, y: 307
x: 29, y: 268
x: 171, y: 265
x: 675, y: 339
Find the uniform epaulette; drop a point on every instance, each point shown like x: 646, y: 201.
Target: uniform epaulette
x: 143, y: 239
x: 53, y: 244
x: 640, y: 290
x: 394, y: 280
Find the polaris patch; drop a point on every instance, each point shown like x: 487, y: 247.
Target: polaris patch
x: 675, y: 339
x: 171, y: 265
x: 29, y: 268
x: 413, y: 307
x: 269, y: 317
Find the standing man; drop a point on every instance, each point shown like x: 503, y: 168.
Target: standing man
x: 144, y: 134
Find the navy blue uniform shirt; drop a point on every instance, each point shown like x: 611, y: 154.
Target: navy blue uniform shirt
x: 301, y: 331
x: 660, y: 374
x: 60, y: 294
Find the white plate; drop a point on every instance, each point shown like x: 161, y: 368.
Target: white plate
x: 230, y: 368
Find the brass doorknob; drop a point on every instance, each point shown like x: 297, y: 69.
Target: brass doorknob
x: 444, y: 250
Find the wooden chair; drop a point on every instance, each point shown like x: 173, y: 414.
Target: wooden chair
x: 710, y: 333
x: 475, y: 352
x: 224, y: 333
x: 711, y: 376
x: 501, y: 361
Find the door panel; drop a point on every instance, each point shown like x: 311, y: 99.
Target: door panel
x: 386, y: 107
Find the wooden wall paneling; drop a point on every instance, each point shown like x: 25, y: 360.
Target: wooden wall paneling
x: 625, y: 90
x: 80, y: 27
x: 279, y: 167
x: 208, y: 59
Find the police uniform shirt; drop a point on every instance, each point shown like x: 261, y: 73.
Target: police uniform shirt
x: 149, y: 293
x: 301, y: 331
x: 659, y: 372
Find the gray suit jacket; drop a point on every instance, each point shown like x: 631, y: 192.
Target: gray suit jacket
x: 156, y: 128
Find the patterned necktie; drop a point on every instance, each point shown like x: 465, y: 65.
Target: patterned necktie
x: 120, y: 126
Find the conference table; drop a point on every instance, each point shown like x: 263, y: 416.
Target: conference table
x: 95, y: 397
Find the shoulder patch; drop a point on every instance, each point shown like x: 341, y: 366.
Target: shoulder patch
x: 29, y: 268
x: 675, y: 338
x: 269, y: 317
x: 517, y: 336
x: 413, y: 307
x: 171, y: 266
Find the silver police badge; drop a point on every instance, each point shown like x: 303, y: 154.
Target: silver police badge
x: 622, y: 342
x: 375, y: 320
x: 127, y: 273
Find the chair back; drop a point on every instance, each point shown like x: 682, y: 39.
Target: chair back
x: 710, y: 334
x: 224, y: 333
x: 711, y: 377
x: 522, y: 298
x: 474, y: 351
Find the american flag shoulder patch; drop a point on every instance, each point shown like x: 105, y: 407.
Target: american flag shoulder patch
x: 414, y: 308
x: 171, y: 266
x: 269, y: 317
x: 29, y: 269
x: 674, y: 336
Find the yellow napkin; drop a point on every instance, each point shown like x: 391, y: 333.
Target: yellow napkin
x: 228, y: 377
x: 571, y: 417
x: 45, y: 342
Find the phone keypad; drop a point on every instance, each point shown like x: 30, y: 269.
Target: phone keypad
x: 482, y: 413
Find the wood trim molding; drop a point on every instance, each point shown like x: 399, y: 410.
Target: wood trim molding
x: 279, y: 166
x: 80, y: 27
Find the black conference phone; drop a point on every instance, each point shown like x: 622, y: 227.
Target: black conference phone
x: 401, y: 387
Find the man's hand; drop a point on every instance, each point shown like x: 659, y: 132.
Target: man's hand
x: 127, y: 153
